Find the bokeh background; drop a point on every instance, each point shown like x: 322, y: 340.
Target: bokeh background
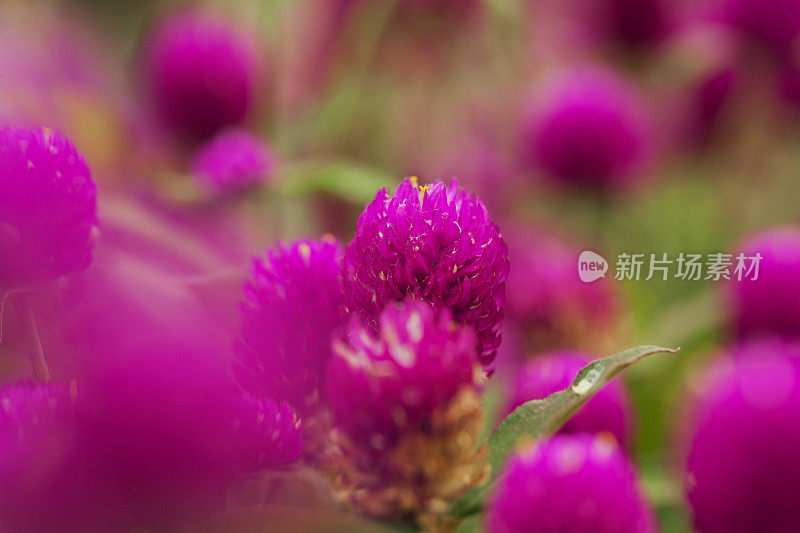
x: 354, y: 95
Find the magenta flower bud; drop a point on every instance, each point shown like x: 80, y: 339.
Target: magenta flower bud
x: 547, y: 300
x: 570, y: 484
x: 48, y: 209
x: 608, y: 411
x: 270, y: 433
x: 292, y: 304
x: 203, y: 73
x: 590, y: 129
x: 742, y: 464
x: 407, y: 413
x: 768, y: 305
x: 435, y: 243
x: 234, y: 160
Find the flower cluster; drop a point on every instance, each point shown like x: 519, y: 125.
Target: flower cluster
x: 234, y: 160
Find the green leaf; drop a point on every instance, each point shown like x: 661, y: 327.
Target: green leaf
x: 541, y: 418
x: 347, y: 181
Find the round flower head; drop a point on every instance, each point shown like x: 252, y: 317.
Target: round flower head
x: 48, y: 209
x: 548, y: 301
x: 588, y: 129
x: 234, y: 160
x: 202, y: 72
x: 569, y: 484
x: 770, y: 304
x: 436, y: 243
x: 292, y: 305
x: 407, y: 412
x: 609, y: 410
x: 742, y: 463
x: 270, y: 433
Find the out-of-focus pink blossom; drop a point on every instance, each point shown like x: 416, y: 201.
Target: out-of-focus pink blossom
x: 234, y: 160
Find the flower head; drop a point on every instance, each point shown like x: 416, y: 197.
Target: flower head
x: 609, y: 410
x: 292, y: 304
x: 588, y: 128
x: 202, y: 72
x: 774, y: 24
x: 234, y: 160
x: 570, y: 484
x: 743, y: 436
x: 48, y: 208
x: 436, y: 243
x: 770, y: 304
x: 407, y: 412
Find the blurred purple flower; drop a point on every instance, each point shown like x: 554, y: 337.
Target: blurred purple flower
x: 769, y: 305
x: 546, y: 298
x: 271, y: 434
x: 408, y: 413
x: 570, y: 484
x: 436, y: 243
x: 588, y: 128
x: 44, y: 485
x: 234, y: 160
x: 203, y: 73
x: 162, y: 404
x: 775, y: 24
x: 608, y: 410
x: 382, y: 386
x: 48, y: 209
x: 743, y: 436
x: 292, y: 305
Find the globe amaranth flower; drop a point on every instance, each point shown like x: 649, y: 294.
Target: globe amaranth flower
x: 588, y: 128
x: 770, y: 304
x: 436, y: 243
x: 548, y: 302
x: 234, y: 160
x: 270, y: 433
x: 48, y: 209
x: 202, y: 72
x: 607, y: 411
x: 407, y: 413
x: 292, y: 304
x: 741, y: 440
x: 572, y: 483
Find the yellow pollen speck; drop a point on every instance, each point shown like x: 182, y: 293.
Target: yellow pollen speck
x: 413, y: 180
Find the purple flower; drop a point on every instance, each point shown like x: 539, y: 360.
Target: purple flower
x: 202, y: 72
x: 769, y: 305
x: 48, y: 209
x: 588, y: 128
x: 609, y: 410
x: 292, y: 305
x: 407, y: 413
x: 570, y: 484
x: 382, y: 386
x: 775, y: 24
x: 234, y: 160
x: 742, y: 463
x: 270, y: 434
x: 435, y: 243
x: 548, y: 301
x: 42, y: 482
